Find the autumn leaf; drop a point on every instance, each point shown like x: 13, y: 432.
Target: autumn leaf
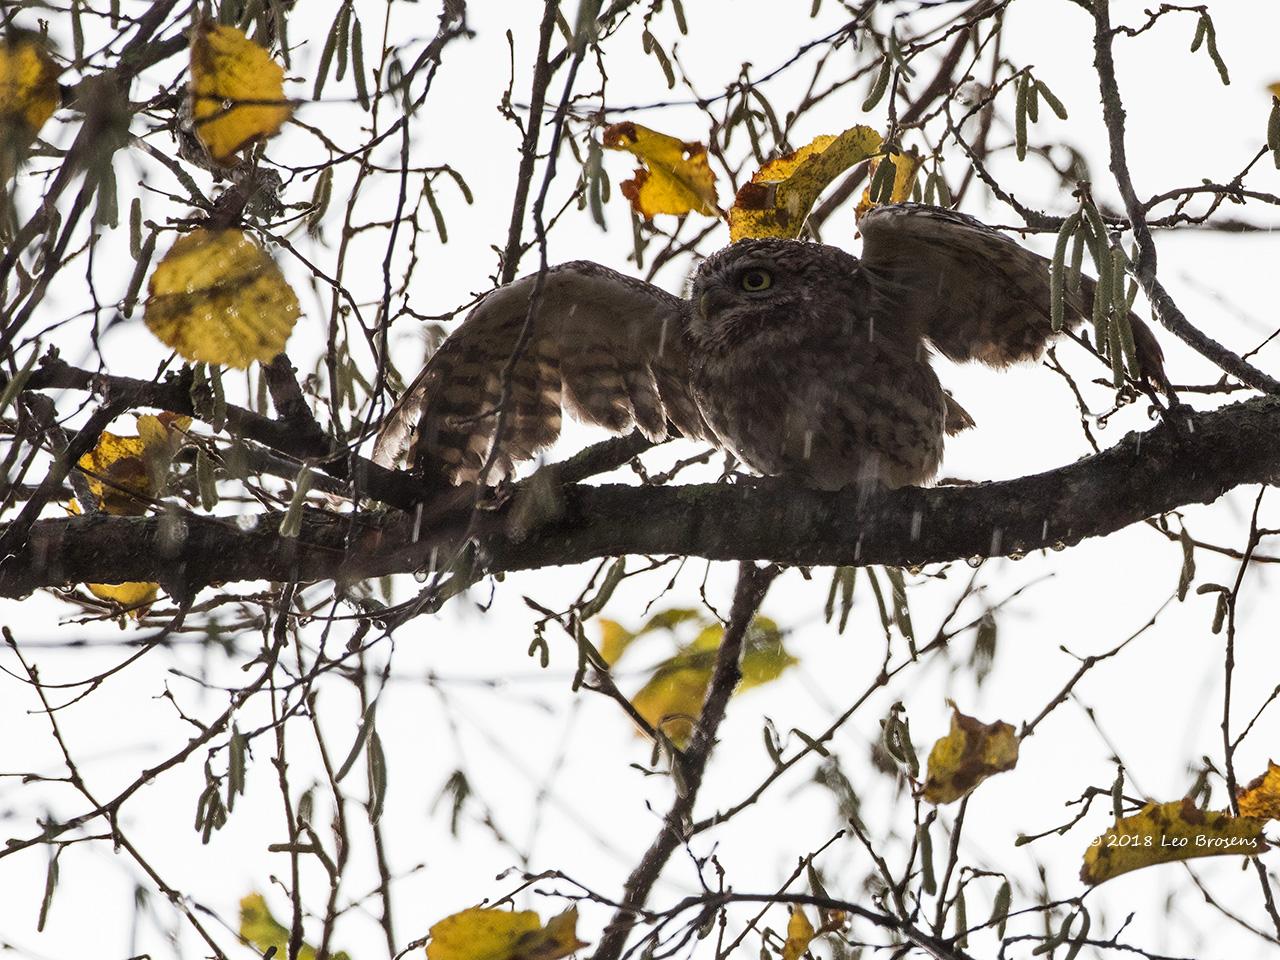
x: 1166, y: 832
x: 218, y: 297
x: 799, y: 933
x: 675, y: 178
x: 1261, y: 798
x: 126, y: 472
x: 117, y: 475
x: 236, y: 90
x: 778, y: 199
x: 28, y: 95
x: 484, y: 933
x: 614, y: 640
x: 259, y: 928
x: 672, y: 698
x: 906, y: 166
x: 135, y: 597
x: 970, y: 753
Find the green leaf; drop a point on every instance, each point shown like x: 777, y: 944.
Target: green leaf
x: 50, y: 885
x: 1188, y: 573
x: 878, y: 87
x: 1054, y: 103
x: 291, y: 524
x: 929, y: 881
x: 377, y: 768
x: 362, y: 736
x: 1020, y: 117
x: 1000, y: 908
x: 1058, y: 272
x: 1273, y: 131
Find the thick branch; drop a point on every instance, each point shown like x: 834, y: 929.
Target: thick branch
x: 1143, y: 475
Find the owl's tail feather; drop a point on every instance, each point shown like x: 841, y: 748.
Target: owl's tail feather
x: 1150, y: 356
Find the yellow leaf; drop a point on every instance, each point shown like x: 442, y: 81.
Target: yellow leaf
x: 764, y: 658
x: 777, y: 200
x: 1165, y: 832
x: 28, y: 95
x: 1261, y: 798
x: 262, y: 930
x: 125, y: 473
x: 236, y: 89
x: 970, y: 753
x: 676, y: 177
x: 614, y: 639
x: 136, y: 597
x: 672, y: 698
x: 799, y: 933
x: 483, y: 933
x: 117, y: 475
x: 218, y: 297
x: 906, y: 166
x: 558, y: 938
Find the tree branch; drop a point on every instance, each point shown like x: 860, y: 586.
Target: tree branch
x: 752, y: 584
x: 1143, y: 475
x: 1166, y: 310
x: 295, y: 435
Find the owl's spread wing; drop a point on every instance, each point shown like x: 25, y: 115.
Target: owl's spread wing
x: 606, y: 347
x: 972, y: 291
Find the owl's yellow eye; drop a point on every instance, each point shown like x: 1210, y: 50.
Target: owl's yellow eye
x: 753, y: 281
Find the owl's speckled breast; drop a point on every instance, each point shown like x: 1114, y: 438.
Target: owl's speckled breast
x: 829, y: 412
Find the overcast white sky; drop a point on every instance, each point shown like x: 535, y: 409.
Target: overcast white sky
x: 1157, y: 706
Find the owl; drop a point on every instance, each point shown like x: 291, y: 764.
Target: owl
x: 801, y: 360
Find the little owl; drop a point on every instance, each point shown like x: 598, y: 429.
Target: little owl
x: 799, y: 359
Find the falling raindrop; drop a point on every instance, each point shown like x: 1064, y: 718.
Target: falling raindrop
x: 975, y: 561
x: 246, y: 521
x: 421, y: 574
x: 916, y: 518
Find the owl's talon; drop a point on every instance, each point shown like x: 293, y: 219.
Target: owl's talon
x: 495, y: 497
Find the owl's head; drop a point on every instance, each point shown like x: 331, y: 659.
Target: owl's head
x: 769, y: 286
